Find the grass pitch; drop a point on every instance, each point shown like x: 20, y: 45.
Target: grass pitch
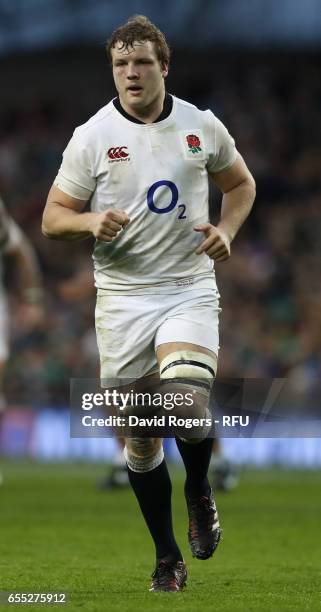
x: 59, y: 533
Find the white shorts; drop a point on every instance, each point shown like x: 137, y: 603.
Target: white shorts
x: 130, y: 328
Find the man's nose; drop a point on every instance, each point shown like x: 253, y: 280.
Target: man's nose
x: 132, y: 72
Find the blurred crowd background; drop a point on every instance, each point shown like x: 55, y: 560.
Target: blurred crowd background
x: 268, y: 93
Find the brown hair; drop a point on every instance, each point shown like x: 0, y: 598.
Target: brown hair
x: 139, y: 28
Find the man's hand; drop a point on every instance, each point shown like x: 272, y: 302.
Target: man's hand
x: 216, y: 244
x: 64, y: 218
x: 105, y: 226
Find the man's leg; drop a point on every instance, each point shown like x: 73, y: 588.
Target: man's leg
x: 190, y: 361
x: 196, y: 456
x: 149, y: 478
x: 126, y: 328
x: 117, y: 477
x: 225, y: 476
x: 2, y: 399
x: 196, y: 459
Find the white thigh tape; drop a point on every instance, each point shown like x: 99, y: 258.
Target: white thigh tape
x: 188, y: 364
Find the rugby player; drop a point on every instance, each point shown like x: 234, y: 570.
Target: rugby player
x: 143, y: 162
x: 16, y: 248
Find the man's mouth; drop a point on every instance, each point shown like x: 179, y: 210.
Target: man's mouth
x: 134, y: 88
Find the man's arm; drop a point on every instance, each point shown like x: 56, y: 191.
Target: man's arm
x: 64, y: 219
x: 28, y: 269
x: 18, y: 248
x: 29, y: 281
x: 238, y: 188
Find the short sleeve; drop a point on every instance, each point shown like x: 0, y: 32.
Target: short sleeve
x: 225, y: 152
x: 75, y: 176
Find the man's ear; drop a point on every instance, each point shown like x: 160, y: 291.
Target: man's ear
x: 164, y: 69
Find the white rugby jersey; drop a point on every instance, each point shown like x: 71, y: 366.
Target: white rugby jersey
x: 158, y: 174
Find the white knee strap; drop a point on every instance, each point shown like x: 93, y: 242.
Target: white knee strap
x: 140, y: 459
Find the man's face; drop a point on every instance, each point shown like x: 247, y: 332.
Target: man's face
x: 138, y: 75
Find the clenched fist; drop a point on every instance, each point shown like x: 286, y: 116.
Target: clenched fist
x: 216, y: 244
x: 106, y: 225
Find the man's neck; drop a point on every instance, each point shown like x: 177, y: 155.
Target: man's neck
x: 166, y: 111
x: 148, y: 114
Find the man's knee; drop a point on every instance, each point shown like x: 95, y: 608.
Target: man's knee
x: 189, y: 374
x: 143, y: 454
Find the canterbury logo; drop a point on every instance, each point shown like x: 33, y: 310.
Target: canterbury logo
x: 117, y: 152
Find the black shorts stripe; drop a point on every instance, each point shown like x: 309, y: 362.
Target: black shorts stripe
x: 199, y: 364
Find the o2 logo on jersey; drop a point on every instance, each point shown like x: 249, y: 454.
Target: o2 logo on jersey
x: 174, y: 193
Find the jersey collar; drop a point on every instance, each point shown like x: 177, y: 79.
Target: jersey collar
x: 167, y: 109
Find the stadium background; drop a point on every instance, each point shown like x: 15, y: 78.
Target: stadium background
x: 257, y: 67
